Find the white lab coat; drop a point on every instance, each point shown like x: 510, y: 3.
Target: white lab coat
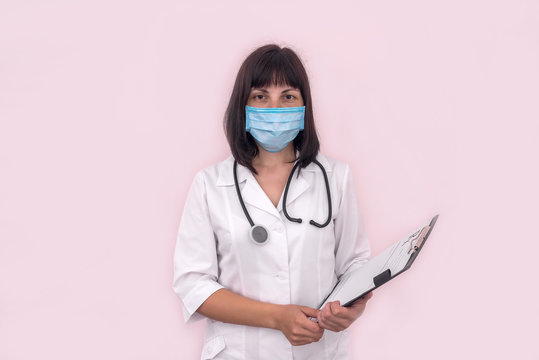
x: 300, y: 264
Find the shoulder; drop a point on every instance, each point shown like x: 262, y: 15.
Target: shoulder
x: 340, y: 180
x: 217, y: 173
x: 335, y: 168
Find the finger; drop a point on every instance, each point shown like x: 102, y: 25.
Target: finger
x: 324, y: 312
x: 331, y: 317
x: 345, y: 313
x: 367, y: 296
x: 320, y: 318
x: 328, y: 326
x: 339, y: 312
x: 335, y: 317
x: 314, y: 338
x: 311, y: 328
x: 359, y: 307
x: 335, y: 324
x: 328, y: 321
x: 364, y: 298
x: 331, y: 326
x: 305, y: 336
x: 299, y: 342
x: 360, y: 302
x: 309, y: 311
x: 356, y: 311
x: 302, y: 335
x: 341, y: 317
x: 309, y: 325
x: 303, y: 341
x: 333, y: 307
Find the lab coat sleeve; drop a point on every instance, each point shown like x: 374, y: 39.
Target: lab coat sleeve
x: 352, y: 249
x: 195, y: 255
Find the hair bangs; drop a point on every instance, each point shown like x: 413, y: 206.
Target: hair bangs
x: 275, y: 69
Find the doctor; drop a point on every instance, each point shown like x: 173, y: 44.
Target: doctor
x: 242, y: 260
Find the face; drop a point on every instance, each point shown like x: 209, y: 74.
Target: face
x: 275, y: 96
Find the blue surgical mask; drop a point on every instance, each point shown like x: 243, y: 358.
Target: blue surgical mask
x: 274, y: 128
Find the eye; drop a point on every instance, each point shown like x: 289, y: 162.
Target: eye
x: 259, y: 96
x: 289, y: 97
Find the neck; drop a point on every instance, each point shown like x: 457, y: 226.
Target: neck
x: 268, y: 159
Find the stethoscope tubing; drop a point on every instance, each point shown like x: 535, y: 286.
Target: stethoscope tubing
x: 239, y: 195
x: 326, y: 181
x: 296, y: 220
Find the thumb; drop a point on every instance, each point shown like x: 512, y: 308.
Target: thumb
x: 309, y: 311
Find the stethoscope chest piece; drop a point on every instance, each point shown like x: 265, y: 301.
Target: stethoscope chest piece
x: 258, y: 234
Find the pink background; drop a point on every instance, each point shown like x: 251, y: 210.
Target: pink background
x: 108, y: 108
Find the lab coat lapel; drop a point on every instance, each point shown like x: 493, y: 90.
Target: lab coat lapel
x: 254, y: 195
x: 251, y: 192
x: 298, y: 185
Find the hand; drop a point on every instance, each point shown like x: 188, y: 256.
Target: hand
x: 295, y: 324
x: 336, y: 318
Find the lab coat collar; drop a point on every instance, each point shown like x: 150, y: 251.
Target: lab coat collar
x: 253, y: 193
x: 226, y: 170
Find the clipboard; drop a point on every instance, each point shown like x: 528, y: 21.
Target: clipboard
x: 392, y: 262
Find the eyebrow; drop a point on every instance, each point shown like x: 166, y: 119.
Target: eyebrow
x: 266, y: 91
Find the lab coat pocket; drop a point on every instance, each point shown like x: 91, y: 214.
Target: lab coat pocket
x: 213, y: 347
x: 232, y: 234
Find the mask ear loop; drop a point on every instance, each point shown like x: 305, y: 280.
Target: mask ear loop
x: 258, y: 233
x: 326, y: 181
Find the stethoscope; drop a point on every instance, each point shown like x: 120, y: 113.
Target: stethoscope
x: 258, y: 233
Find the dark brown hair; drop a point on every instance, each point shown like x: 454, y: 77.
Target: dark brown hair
x: 269, y: 65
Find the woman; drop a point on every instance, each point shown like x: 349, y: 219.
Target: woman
x: 240, y: 262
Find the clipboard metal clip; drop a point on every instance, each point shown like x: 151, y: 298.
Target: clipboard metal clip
x: 416, y: 242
